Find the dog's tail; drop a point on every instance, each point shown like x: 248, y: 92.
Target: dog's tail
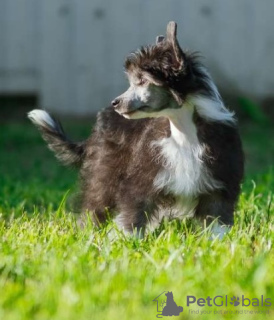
x: 68, y: 152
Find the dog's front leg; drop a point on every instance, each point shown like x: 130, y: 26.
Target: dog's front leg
x: 217, y: 211
x: 132, y: 220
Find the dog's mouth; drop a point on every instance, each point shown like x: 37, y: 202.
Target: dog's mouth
x: 131, y: 112
x: 127, y: 113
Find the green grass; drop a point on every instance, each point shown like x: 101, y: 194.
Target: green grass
x: 51, y: 269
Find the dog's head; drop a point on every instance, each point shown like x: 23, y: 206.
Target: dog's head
x: 160, y: 78
x: 169, y: 294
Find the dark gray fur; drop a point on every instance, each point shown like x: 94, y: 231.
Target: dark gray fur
x: 117, y: 165
x: 68, y: 152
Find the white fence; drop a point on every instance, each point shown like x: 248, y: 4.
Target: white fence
x: 70, y: 52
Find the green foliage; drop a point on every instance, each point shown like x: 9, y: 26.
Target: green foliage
x: 253, y: 111
x: 52, y: 269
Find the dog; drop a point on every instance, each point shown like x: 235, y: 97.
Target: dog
x: 167, y: 147
x: 171, y: 308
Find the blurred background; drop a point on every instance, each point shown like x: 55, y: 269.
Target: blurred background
x: 67, y: 56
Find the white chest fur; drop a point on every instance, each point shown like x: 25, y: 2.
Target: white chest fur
x: 183, y: 173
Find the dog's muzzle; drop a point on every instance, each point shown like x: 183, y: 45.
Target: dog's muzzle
x: 123, y: 107
x: 115, y: 102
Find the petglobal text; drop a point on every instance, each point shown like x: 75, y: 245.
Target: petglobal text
x: 224, y: 301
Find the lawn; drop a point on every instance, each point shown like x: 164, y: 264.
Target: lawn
x: 51, y: 269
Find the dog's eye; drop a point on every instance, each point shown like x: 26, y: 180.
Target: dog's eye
x: 142, y: 81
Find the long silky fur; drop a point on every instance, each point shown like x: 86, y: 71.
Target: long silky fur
x: 67, y: 152
x: 138, y: 171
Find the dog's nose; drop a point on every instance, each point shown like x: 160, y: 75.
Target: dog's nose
x: 115, y: 102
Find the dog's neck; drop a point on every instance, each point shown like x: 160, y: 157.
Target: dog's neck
x: 182, y: 171
x: 182, y: 127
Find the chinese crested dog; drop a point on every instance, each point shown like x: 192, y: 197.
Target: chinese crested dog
x: 167, y: 147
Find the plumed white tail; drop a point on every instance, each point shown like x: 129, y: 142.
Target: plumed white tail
x: 68, y: 152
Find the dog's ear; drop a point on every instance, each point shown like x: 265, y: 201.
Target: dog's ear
x: 160, y: 39
x: 171, y: 39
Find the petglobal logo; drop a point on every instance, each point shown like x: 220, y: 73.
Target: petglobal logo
x: 220, y: 304
x: 228, y: 305
x: 224, y: 301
